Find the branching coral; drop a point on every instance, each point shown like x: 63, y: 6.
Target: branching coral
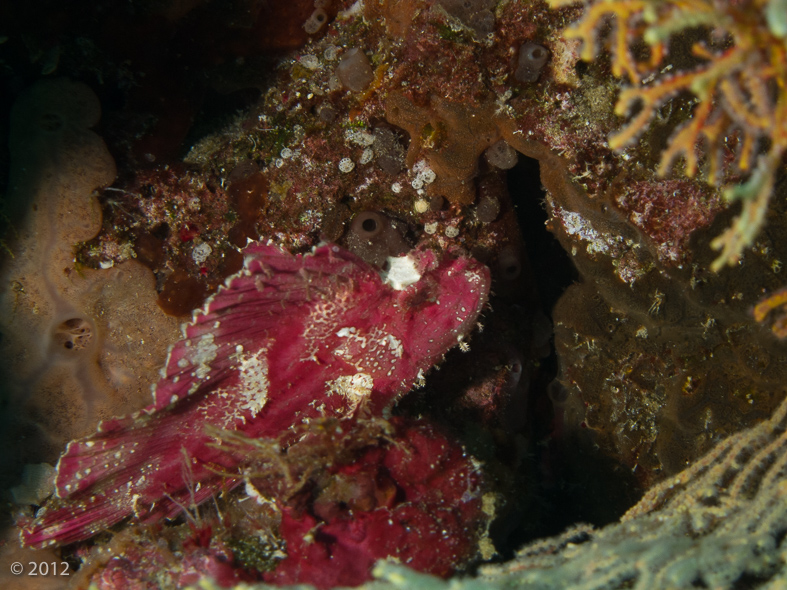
x: 718, y: 521
x: 739, y: 86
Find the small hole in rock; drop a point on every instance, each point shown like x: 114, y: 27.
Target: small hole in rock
x: 73, y: 334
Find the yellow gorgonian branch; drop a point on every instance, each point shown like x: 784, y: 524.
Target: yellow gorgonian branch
x: 740, y: 91
x: 766, y: 311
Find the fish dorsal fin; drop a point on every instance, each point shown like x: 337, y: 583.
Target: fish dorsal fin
x: 242, y: 314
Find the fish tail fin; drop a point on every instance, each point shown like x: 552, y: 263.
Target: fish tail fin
x: 100, y: 481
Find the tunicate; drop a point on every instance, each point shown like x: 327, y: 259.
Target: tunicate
x: 488, y: 208
x: 436, y: 203
x: 366, y: 156
x: 354, y: 70
x: 491, y: 193
x: 315, y: 22
x: 532, y: 59
x: 326, y: 113
x: 515, y: 368
x: 501, y: 155
x: 310, y: 62
x: 369, y: 224
x: 374, y: 237
x: 201, y: 252
x: 482, y: 22
x: 346, y: 165
x: 509, y: 264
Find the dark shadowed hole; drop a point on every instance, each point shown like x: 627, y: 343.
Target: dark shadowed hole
x: 369, y: 225
x: 161, y: 231
x: 218, y: 109
x: 511, y: 270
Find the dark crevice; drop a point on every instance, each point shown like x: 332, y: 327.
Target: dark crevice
x: 574, y: 482
x: 570, y: 481
x: 552, y: 267
x: 217, y: 110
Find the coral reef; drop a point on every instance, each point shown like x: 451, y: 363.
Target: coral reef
x: 718, y: 522
x: 738, y: 83
x: 663, y: 369
x: 419, y: 501
x: 328, y: 193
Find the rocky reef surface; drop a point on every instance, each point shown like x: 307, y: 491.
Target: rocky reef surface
x: 452, y: 277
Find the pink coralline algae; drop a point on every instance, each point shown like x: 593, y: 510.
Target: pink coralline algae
x: 416, y: 501
x: 669, y: 212
x: 402, y: 489
x: 131, y: 571
x: 287, y: 341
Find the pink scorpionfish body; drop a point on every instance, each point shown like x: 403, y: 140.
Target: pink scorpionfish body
x: 287, y: 340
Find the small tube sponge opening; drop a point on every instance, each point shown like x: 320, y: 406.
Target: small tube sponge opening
x: 532, y: 59
x: 375, y: 237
